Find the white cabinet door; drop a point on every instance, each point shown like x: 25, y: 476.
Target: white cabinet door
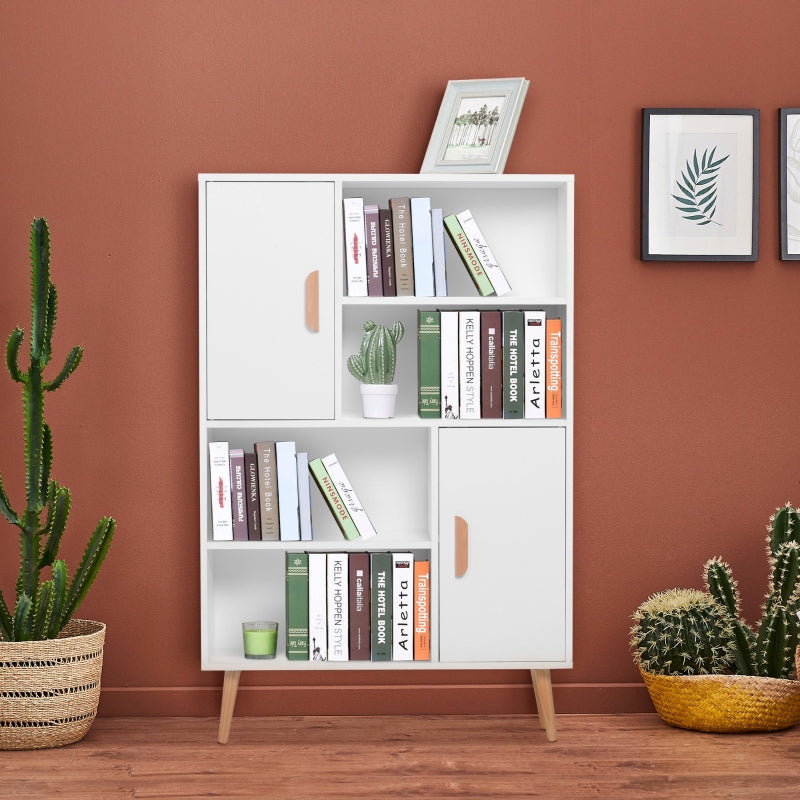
x: 503, y: 491
x: 269, y: 260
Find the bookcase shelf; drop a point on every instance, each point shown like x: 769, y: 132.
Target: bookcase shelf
x: 266, y: 373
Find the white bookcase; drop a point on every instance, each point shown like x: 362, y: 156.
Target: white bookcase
x: 276, y: 327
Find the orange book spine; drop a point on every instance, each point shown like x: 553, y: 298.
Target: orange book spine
x: 422, y: 607
x: 553, y: 373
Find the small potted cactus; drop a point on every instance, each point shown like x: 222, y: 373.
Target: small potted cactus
x: 374, y: 367
x: 705, y: 667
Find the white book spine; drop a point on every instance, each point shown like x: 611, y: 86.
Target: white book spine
x: 304, y: 498
x: 483, y: 252
x: 288, y: 507
x: 355, y: 252
x: 439, y: 253
x: 403, y: 606
x: 449, y: 365
x: 534, y: 364
x: 338, y: 608
x: 349, y: 496
x: 318, y: 606
x: 220, y: 491
x: 469, y: 346
x: 422, y: 241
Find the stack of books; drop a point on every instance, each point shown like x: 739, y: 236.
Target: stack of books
x: 265, y: 495
x: 357, y: 607
x: 400, y: 250
x: 489, y: 364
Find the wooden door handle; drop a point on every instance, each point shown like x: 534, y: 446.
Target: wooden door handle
x: 312, y: 301
x: 461, y: 546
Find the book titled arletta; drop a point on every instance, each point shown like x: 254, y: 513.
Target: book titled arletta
x: 348, y: 496
x: 387, y: 252
x: 403, y: 607
x: 403, y: 245
x: 334, y: 502
x: 513, y: 365
x: 483, y: 252
x: 534, y: 364
x: 268, y: 491
x: 338, y: 607
x: 220, y: 491
x: 355, y: 252
x: 373, y: 250
x: 238, y: 494
x: 359, y: 606
x: 467, y: 255
x: 429, y: 364
x: 422, y: 610
x: 381, y: 606
x: 297, y: 606
x: 553, y: 379
x: 491, y: 364
x: 318, y: 606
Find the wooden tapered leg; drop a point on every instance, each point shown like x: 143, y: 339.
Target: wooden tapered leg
x: 543, y: 691
x: 230, y: 686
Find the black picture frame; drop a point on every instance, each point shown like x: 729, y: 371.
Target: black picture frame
x: 700, y: 192
x: 790, y: 183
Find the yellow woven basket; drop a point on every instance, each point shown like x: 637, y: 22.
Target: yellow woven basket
x: 725, y: 703
x: 49, y: 690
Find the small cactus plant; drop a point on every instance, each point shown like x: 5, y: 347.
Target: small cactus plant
x: 44, y: 603
x: 769, y: 649
x: 375, y: 363
x: 682, y: 632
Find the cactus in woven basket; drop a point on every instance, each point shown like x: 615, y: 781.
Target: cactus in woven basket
x: 375, y: 362
x: 682, y: 632
x: 46, y: 597
x: 769, y: 649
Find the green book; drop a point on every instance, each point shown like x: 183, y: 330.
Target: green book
x: 381, y: 606
x: 468, y: 255
x: 513, y: 365
x: 332, y: 498
x: 297, y: 606
x: 429, y: 362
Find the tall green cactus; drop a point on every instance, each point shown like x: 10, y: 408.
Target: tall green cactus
x: 375, y: 363
x: 44, y: 603
x: 682, y: 632
x: 769, y: 649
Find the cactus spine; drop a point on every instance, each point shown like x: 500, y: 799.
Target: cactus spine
x: 769, y: 649
x: 375, y: 363
x: 44, y: 606
x: 682, y: 632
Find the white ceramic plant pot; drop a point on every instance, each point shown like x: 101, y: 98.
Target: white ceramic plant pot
x: 378, y: 400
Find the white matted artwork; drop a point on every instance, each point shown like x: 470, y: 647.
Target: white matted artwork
x: 700, y: 184
x: 790, y: 184
x: 475, y: 125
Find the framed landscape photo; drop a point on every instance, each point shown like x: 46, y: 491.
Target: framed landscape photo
x: 475, y: 126
x: 790, y: 184
x: 700, y: 184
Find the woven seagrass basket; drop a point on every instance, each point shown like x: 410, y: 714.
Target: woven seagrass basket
x: 725, y: 703
x: 50, y: 689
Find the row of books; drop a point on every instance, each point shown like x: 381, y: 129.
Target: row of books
x: 265, y: 495
x: 357, y: 607
x: 400, y: 250
x: 489, y: 364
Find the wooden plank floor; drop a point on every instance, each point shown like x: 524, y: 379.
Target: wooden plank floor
x: 343, y: 758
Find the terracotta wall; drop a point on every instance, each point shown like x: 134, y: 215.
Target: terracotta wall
x: 686, y: 377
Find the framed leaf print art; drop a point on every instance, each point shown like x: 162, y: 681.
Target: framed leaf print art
x: 700, y: 184
x: 790, y: 184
